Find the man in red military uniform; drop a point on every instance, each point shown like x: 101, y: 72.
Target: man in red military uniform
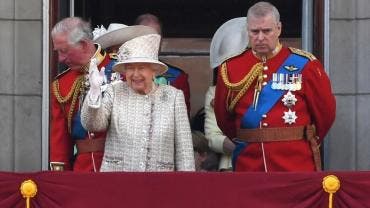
x: 72, y: 40
x: 276, y: 102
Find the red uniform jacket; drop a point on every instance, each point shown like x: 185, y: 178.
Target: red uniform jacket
x: 61, y: 141
x: 315, y: 105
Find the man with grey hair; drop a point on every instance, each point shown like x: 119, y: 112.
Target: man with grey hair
x: 276, y: 102
x: 72, y: 40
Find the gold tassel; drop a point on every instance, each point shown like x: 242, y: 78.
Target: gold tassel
x: 331, y: 184
x: 28, y: 190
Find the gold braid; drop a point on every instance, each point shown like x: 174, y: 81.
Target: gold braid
x: 242, y: 86
x: 74, y: 92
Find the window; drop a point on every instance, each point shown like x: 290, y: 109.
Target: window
x: 186, y: 18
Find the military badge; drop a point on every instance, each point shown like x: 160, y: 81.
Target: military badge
x: 291, y: 82
x: 289, y: 99
x: 274, y: 81
x: 296, y: 82
x: 291, y: 68
x: 289, y: 117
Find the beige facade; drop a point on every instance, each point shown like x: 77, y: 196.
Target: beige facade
x: 24, y: 84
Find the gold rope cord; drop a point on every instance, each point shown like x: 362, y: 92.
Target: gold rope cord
x: 242, y: 85
x: 74, y: 92
x: 57, y: 94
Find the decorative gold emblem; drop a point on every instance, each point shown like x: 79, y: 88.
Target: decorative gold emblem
x: 331, y: 185
x: 28, y: 190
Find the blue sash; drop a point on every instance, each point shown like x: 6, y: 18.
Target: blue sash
x: 268, y: 96
x: 78, y: 131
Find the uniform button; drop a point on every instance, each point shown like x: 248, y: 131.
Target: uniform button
x: 265, y: 76
x: 264, y: 124
x: 264, y: 83
x: 92, y: 134
x: 264, y: 116
x: 265, y: 68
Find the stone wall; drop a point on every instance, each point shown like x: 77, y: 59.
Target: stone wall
x: 20, y: 84
x: 349, y: 140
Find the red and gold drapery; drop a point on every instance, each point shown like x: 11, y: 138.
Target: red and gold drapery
x: 191, y: 190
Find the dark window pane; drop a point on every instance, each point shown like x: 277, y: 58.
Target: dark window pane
x: 186, y: 18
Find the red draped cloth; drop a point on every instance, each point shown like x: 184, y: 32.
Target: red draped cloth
x: 190, y: 190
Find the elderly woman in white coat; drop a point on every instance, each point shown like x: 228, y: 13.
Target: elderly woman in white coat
x: 148, y: 126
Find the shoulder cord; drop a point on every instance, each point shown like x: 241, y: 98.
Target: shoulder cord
x: 74, y: 92
x: 241, y: 86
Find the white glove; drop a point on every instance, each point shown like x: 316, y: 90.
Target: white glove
x: 96, y: 79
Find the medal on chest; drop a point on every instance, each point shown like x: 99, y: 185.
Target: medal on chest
x: 291, y: 82
x: 289, y: 100
x: 289, y: 117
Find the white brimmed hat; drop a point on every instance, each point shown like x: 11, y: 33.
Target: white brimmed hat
x: 117, y: 34
x: 143, y: 49
x: 229, y: 40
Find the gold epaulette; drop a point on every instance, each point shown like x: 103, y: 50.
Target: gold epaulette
x: 61, y: 73
x: 113, y: 56
x: 303, y: 53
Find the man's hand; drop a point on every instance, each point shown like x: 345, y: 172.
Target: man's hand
x: 96, y: 79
